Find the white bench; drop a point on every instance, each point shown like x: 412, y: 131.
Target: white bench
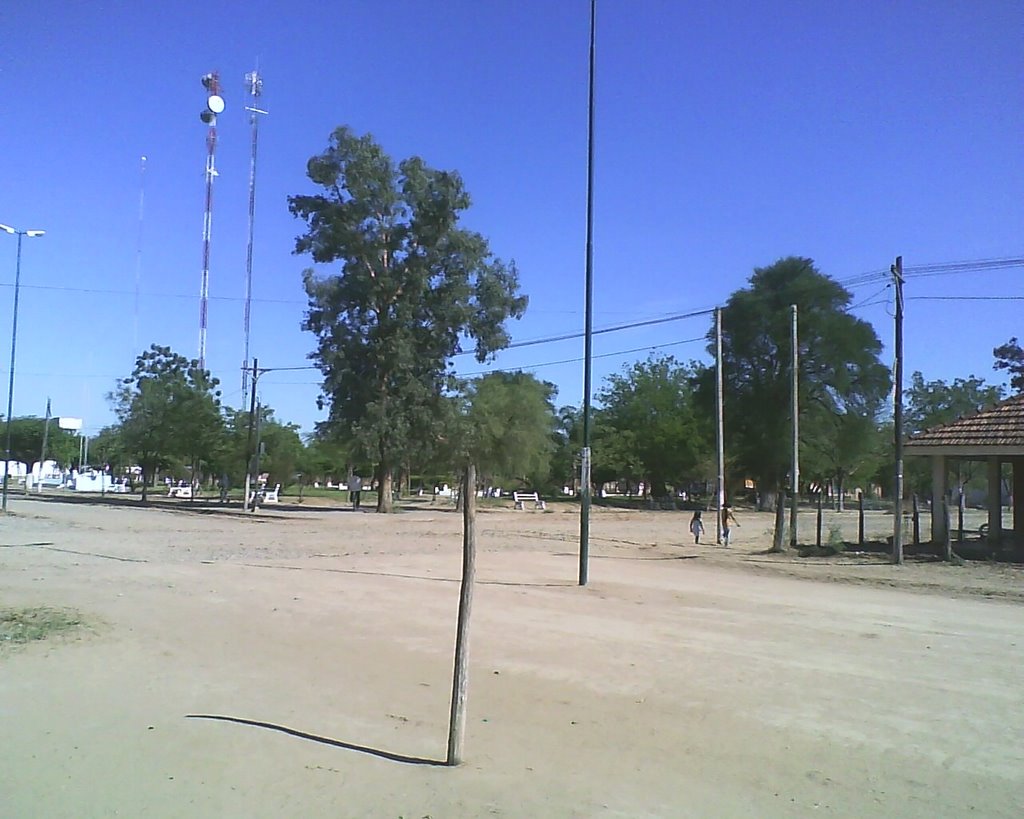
x: 520, y: 499
x: 179, y: 492
x: 261, y: 496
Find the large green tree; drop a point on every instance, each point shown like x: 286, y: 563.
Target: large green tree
x: 409, y: 289
x: 511, y: 423
x: 168, y: 408
x: 842, y: 447
x: 933, y: 403
x: 839, y: 371
x: 27, y: 441
x: 648, y: 422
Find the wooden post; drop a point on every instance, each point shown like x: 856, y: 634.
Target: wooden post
x: 818, y: 535
x: 860, y: 518
x: 897, y: 393
x: 947, y: 542
x: 917, y: 520
x: 457, y: 722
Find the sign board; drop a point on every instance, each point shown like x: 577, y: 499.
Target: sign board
x: 74, y: 424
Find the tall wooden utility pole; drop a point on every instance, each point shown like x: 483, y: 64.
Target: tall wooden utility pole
x: 795, y: 488
x: 720, y: 426
x: 897, y: 414
x: 457, y: 721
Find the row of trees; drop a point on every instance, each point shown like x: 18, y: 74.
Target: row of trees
x: 409, y: 289
x: 403, y: 288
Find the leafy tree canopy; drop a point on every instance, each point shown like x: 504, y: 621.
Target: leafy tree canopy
x: 410, y: 288
x: 27, y: 441
x: 1010, y: 357
x: 648, y: 424
x: 839, y: 367
x: 169, y: 407
x: 932, y: 403
x: 511, y: 425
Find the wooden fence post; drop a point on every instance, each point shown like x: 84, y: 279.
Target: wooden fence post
x: 457, y: 722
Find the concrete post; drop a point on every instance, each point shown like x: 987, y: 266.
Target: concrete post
x: 1018, y: 503
x: 938, y: 496
x: 995, y: 499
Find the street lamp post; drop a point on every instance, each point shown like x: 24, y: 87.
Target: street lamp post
x: 14, y: 341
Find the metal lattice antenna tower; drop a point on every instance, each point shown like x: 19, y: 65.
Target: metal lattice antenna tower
x: 214, y: 106
x: 138, y: 254
x: 254, y: 83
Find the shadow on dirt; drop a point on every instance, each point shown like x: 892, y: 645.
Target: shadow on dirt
x: 336, y: 743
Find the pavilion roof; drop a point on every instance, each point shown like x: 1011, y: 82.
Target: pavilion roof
x: 998, y: 430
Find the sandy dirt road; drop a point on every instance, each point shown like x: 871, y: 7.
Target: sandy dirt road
x: 299, y: 664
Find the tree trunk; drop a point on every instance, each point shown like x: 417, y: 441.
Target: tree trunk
x: 145, y: 483
x: 384, y: 484
x: 778, y: 539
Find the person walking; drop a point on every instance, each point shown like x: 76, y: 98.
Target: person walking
x: 355, y: 487
x: 696, y: 526
x: 728, y: 521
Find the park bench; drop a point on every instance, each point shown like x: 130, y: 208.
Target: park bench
x: 179, y: 492
x: 264, y: 495
x: 520, y: 498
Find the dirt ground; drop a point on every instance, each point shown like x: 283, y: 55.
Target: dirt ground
x: 298, y: 663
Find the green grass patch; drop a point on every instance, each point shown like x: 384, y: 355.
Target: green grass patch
x: 26, y: 625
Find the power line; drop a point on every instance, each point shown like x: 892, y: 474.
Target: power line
x: 537, y: 366
x: 965, y: 298
x: 576, y: 360
x: 628, y: 326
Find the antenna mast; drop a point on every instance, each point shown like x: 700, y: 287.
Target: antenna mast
x: 255, y: 87
x: 138, y: 254
x: 214, y: 106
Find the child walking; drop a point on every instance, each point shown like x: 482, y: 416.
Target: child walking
x: 696, y: 526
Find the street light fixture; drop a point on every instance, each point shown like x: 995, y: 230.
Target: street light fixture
x: 14, y: 340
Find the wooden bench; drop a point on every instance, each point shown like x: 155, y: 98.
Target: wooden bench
x: 520, y: 498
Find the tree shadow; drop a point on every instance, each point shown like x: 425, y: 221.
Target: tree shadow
x: 334, y: 743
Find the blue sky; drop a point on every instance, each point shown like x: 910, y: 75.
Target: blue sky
x: 728, y: 135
